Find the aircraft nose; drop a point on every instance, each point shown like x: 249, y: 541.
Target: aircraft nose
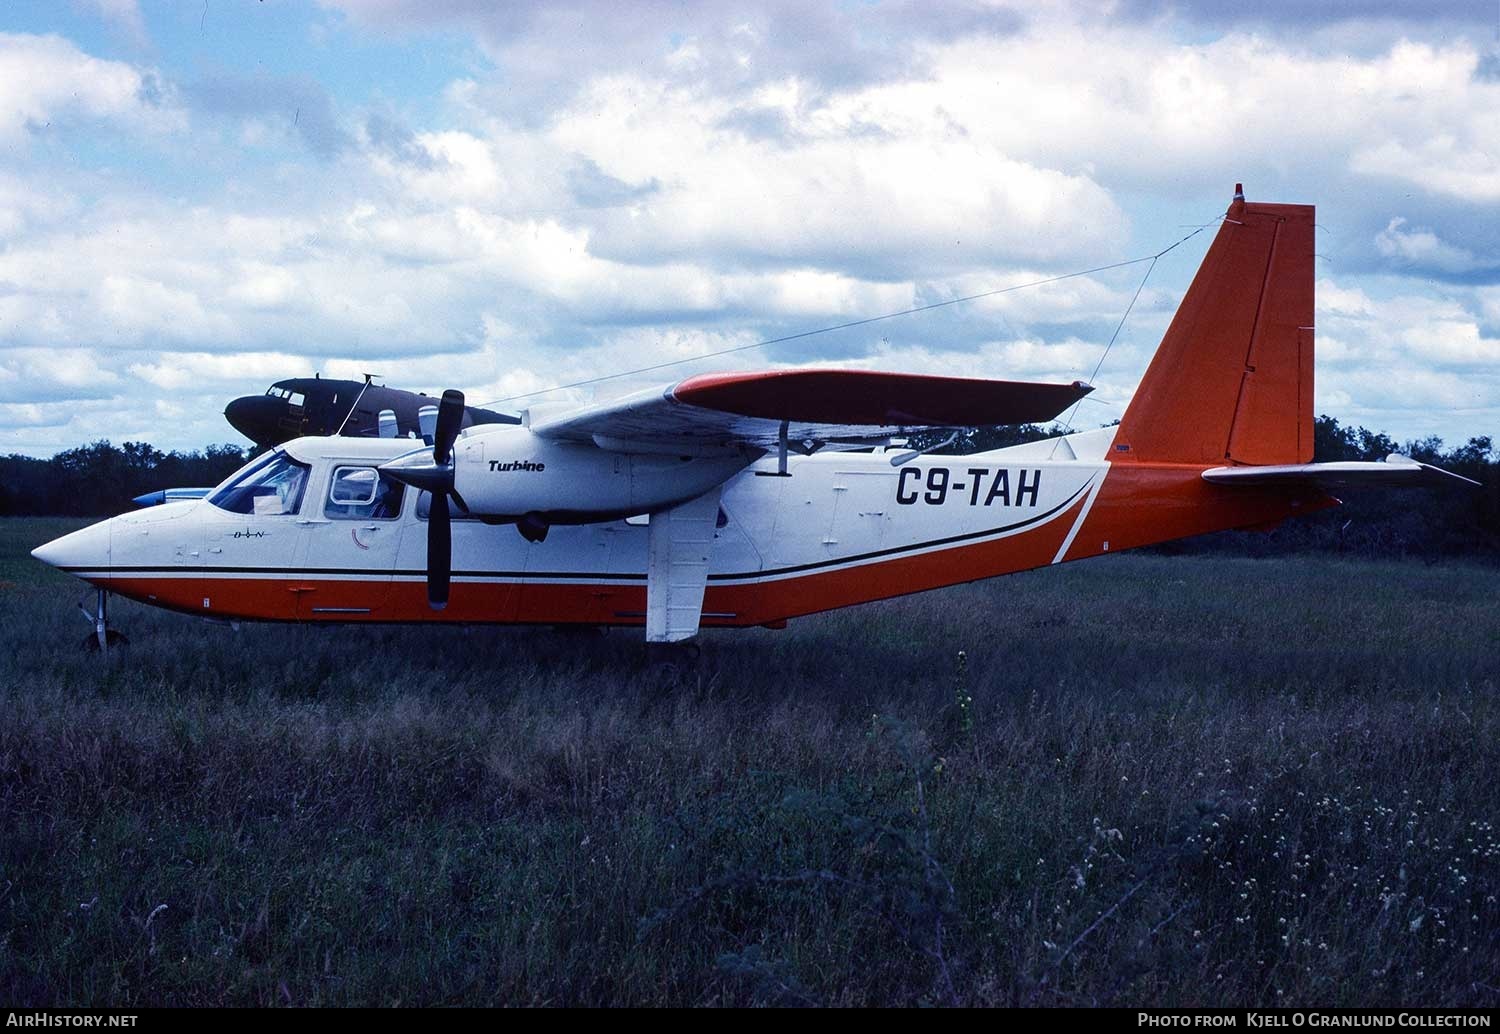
x: 255, y: 417
x: 78, y: 553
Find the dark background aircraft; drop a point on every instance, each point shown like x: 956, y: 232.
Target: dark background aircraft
x: 314, y: 405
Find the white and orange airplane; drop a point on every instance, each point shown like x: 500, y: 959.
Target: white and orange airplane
x: 747, y: 499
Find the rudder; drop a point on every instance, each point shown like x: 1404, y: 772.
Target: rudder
x: 1232, y: 380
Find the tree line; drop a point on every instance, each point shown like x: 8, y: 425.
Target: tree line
x: 101, y: 479
x: 1453, y: 521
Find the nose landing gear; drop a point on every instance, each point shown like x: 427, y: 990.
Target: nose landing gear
x: 102, y: 637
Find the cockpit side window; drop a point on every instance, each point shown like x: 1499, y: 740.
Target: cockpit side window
x: 363, y: 493
x: 296, y: 398
x: 269, y: 487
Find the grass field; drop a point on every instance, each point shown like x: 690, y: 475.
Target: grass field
x: 1138, y: 780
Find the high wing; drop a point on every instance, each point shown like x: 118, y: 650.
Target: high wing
x: 1396, y: 471
x: 807, y: 407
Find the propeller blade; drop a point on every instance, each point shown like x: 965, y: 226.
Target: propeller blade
x: 450, y: 420
x: 439, y: 551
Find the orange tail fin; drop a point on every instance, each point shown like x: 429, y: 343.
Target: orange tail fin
x: 1232, y: 380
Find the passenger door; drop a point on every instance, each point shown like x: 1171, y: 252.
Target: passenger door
x: 352, y: 544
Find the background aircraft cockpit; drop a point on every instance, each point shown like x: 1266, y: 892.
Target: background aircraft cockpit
x: 302, y: 406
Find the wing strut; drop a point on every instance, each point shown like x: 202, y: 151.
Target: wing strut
x: 678, y: 546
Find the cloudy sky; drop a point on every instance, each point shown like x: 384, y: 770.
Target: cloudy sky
x: 199, y: 198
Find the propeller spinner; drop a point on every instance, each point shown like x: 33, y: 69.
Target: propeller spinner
x: 434, y: 474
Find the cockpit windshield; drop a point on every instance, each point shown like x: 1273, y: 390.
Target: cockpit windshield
x: 294, y: 398
x: 270, y: 486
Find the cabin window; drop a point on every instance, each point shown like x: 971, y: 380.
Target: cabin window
x: 363, y: 493
x: 269, y: 487
x: 424, y: 508
x: 353, y: 486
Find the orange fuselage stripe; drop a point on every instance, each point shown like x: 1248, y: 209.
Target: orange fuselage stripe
x: 1138, y: 504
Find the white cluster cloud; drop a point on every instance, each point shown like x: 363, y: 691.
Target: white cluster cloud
x: 714, y: 184
x: 1425, y: 249
x: 47, y: 80
x: 876, y: 191
x: 1406, y: 359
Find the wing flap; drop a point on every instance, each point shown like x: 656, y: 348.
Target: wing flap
x: 1395, y: 471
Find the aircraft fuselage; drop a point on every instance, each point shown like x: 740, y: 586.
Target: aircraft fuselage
x: 843, y: 528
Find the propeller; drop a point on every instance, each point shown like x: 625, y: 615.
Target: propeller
x: 435, y: 475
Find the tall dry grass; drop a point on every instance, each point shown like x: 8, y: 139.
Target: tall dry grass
x: 1176, y: 781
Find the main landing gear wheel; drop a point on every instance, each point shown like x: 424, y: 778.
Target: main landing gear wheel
x: 680, y: 654
x: 673, y: 670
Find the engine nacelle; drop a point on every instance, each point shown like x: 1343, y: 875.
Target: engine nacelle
x: 511, y: 473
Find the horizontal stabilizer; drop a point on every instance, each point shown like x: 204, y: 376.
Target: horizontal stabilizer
x: 1396, y: 471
